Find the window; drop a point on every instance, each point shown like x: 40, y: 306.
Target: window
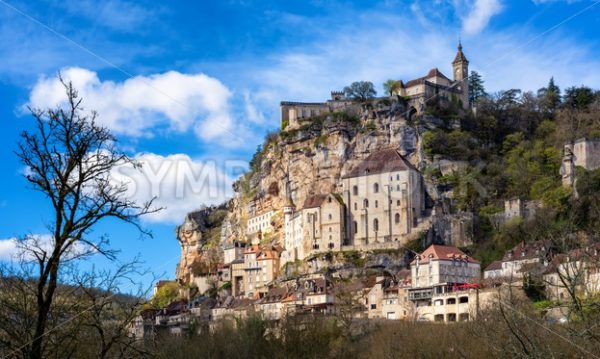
x: 366, y: 203
x: 373, y: 306
x: 355, y: 190
x: 376, y: 188
x: 376, y: 224
x: 451, y: 301
x: 376, y: 204
x: 331, y: 245
x: 398, y: 203
x: 398, y: 177
x: 463, y: 300
x: 355, y: 227
x: 398, y: 188
x: 355, y: 206
x: 397, y: 218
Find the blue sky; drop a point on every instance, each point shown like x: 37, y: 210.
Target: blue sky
x: 190, y: 88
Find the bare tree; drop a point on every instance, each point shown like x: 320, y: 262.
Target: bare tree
x: 69, y: 158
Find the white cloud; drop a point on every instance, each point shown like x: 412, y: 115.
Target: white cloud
x: 252, y: 113
x: 480, y: 14
x: 179, y: 183
x: 139, y: 105
x: 404, y: 50
x: 13, y: 248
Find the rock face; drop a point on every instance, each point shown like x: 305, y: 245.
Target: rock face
x: 303, y: 162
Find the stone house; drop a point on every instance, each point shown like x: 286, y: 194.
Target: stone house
x: 268, y: 263
x: 578, y: 271
x: 444, y: 284
x: 384, y: 199
x: 233, y: 251
x: 521, y: 259
x: 260, y: 223
x: 374, y: 297
x: 271, y: 306
x: 395, y: 304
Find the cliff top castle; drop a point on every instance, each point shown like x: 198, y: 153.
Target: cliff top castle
x: 417, y: 91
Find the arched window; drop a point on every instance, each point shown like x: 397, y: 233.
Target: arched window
x: 355, y: 190
x: 330, y: 216
x: 366, y: 203
x: 375, y: 224
x: 397, y: 218
x: 355, y: 227
x: 376, y: 188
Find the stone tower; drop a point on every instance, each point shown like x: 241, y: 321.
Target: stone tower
x: 460, y: 71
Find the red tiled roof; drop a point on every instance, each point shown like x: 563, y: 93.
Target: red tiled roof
x: 415, y: 82
x: 436, y: 73
x: 253, y: 249
x: 267, y: 254
x: 314, y: 201
x: 420, y: 80
x: 495, y: 265
x: 387, y: 160
x: 530, y: 250
x: 275, y: 295
x: 439, y: 252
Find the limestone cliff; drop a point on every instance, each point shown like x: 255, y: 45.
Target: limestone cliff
x: 294, y: 164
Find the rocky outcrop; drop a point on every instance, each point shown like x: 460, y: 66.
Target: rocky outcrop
x: 310, y: 160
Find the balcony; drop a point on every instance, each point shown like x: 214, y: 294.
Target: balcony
x: 420, y: 294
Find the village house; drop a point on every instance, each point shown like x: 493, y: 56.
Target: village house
x: 374, y: 296
x: 395, y: 304
x: 260, y: 269
x: 384, y: 199
x: 260, y: 223
x: 271, y: 305
x: 233, y: 251
x: 523, y: 258
x: 576, y: 272
x: 444, y: 284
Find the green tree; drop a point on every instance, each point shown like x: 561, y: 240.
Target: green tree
x: 476, y: 88
x: 166, y: 294
x: 360, y: 91
x: 392, y: 86
x: 550, y: 95
x: 578, y: 98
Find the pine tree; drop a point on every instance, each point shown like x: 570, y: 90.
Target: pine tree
x: 476, y: 89
x: 550, y: 95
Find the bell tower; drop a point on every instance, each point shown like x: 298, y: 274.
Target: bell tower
x: 460, y: 71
